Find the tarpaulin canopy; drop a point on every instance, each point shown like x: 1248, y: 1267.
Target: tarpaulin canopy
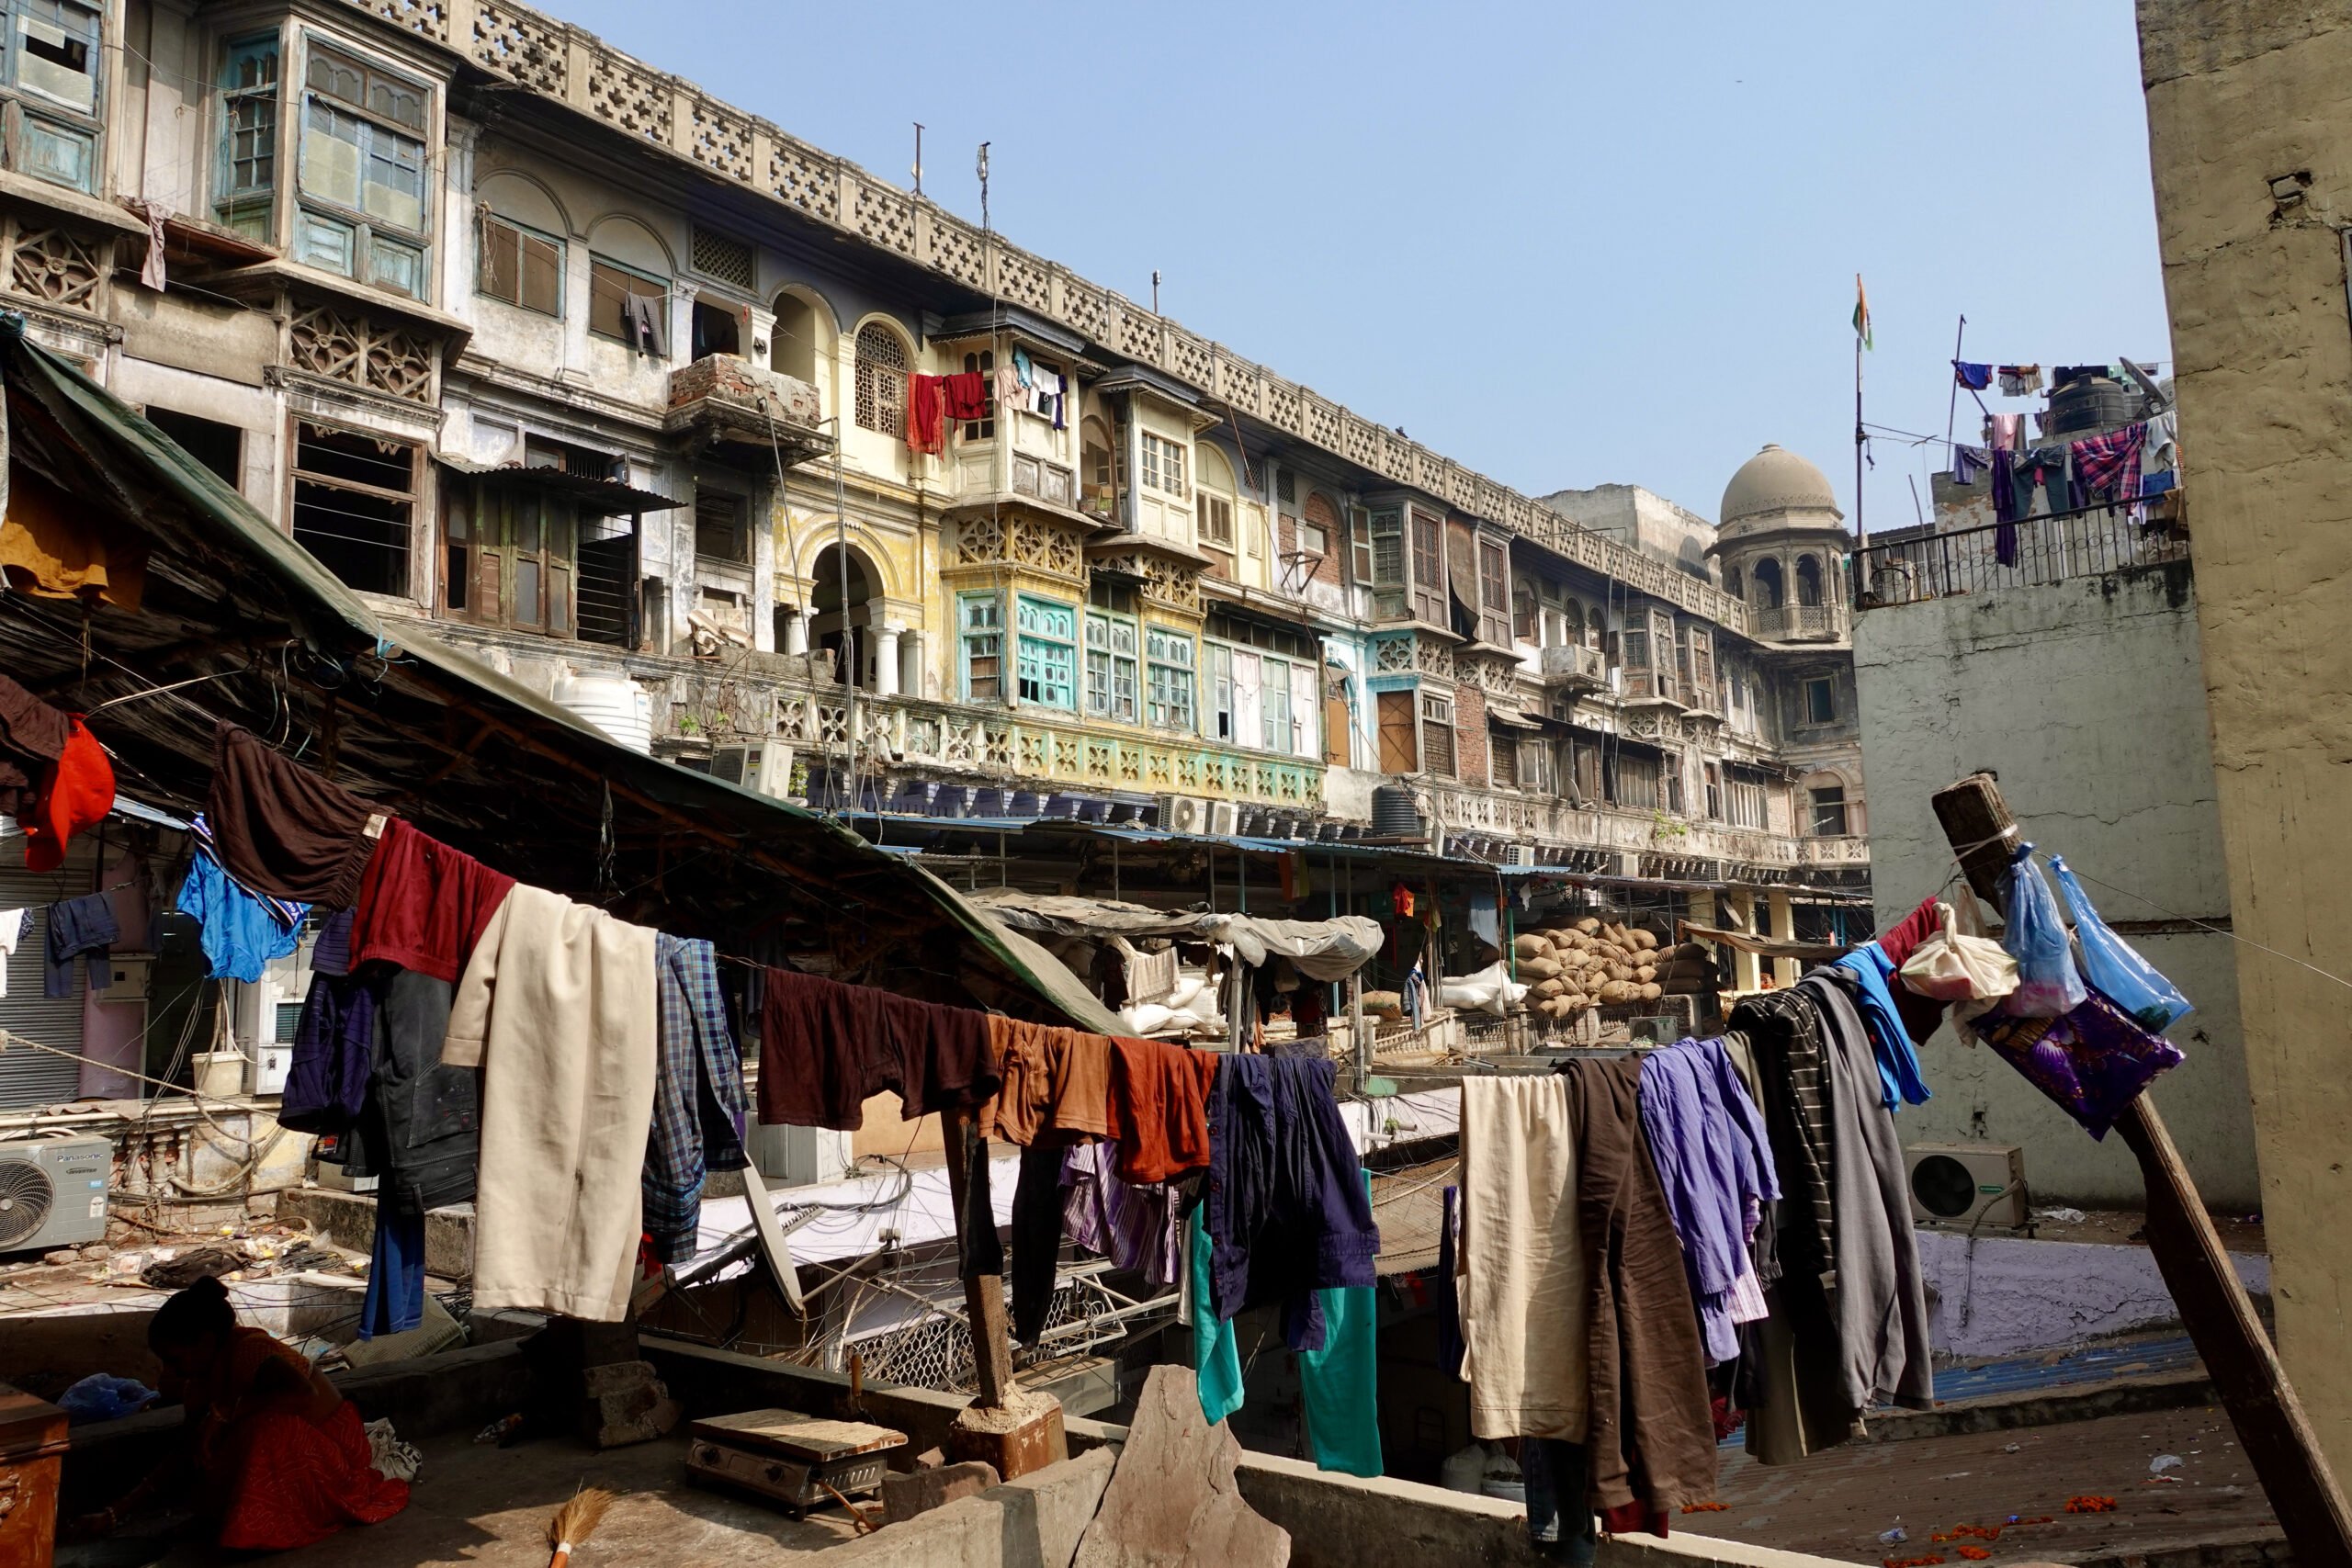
x: 1768, y: 947
x: 1323, y: 950
x: 240, y: 623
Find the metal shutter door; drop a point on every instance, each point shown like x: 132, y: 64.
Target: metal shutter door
x: 27, y: 1077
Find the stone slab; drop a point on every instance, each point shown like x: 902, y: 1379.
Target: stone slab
x: 1173, y: 1501
x: 905, y: 1497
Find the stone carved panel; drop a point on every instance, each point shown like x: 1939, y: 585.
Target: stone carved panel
x: 1433, y: 659
x: 1174, y: 585
x: 955, y: 250
x: 345, y: 346
x: 806, y: 180
x: 59, y: 266
x: 1088, y: 309
x: 635, y: 100
x: 721, y: 141
x: 1138, y: 333
x: 1362, y: 442
x: 1323, y: 423
x: 429, y: 17
x: 885, y: 218
x: 519, y: 46
x: 1282, y: 405
x: 1393, y: 655
x: 1024, y: 279
x: 1192, y: 358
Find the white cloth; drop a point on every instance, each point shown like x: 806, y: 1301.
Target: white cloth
x: 1519, y: 1269
x: 558, y: 1010
x: 12, y: 929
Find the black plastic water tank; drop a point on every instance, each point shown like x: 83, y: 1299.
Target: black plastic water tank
x: 1393, y: 815
x: 2091, y: 404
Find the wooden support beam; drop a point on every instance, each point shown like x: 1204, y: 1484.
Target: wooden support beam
x: 2219, y: 1316
x: 983, y: 1293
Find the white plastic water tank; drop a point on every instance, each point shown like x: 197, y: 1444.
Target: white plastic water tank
x: 614, y: 704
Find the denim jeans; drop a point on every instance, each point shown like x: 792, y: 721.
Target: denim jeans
x: 1559, y: 1521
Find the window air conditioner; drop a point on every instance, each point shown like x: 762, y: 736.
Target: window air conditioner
x: 763, y: 767
x: 53, y: 1192
x: 1183, y: 813
x: 1967, y: 1186
x: 1225, y: 818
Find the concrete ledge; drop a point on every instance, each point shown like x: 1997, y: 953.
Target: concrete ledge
x: 2118, y: 1396
x: 349, y: 1219
x: 1034, y: 1522
x: 1342, y: 1521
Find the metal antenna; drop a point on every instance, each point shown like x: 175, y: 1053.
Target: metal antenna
x: 1155, y: 291
x: 918, y: 169
x: 981, y: 165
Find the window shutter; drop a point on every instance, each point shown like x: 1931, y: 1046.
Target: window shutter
x: 1399, y: 751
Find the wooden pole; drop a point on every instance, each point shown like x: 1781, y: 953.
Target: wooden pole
x: 983, y: 1293
x: 2270, y: 1419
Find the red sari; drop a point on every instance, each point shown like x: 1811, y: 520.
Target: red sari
x: 279, y: 1472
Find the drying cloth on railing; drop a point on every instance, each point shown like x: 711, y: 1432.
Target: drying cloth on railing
x: 2109, y: 466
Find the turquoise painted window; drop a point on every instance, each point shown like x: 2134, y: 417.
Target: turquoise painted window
x: 1110, y: 666
x: 980, y: 619
x: 1168, y: 658
x: 1047, y: 645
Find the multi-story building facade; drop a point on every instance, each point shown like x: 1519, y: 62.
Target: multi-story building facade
x: 557, y: 359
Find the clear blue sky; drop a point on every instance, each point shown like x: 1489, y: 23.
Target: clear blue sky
x: 1566, y: 243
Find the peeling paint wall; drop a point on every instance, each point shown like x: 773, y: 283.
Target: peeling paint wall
x: 2086, y: 698
x: 2250, y: 139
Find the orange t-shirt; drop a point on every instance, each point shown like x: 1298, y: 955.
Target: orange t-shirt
x: 1160, y: 1109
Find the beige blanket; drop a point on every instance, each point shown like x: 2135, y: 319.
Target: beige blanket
x: 558, y: 1007
x: 1521, y: 1269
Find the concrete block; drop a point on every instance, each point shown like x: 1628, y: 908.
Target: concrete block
x: 623, y: 1403
x: 904, y: 1496
x: 1173, y: 1501
x: 1034, y: 1522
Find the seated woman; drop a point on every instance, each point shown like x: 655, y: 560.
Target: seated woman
x: 277, y: 1458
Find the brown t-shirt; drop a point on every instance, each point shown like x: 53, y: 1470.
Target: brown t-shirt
x: 1024, y: 1102
x: 1160, y: 1109
x: 281, y: 830
x: 1081, y: 1075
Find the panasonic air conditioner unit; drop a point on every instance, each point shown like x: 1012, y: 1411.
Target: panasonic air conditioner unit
x: 1184, y: 813
x: 53, y: 1192
x: 1968, y: 1186
x: 763, y: 767
x: 1225, y: 818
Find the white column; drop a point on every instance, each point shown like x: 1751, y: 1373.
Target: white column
x: 1745, y: 967
x: 1784, y: 929
x: 911, y: 664
x: 796, y: 633
x: 886, y: 662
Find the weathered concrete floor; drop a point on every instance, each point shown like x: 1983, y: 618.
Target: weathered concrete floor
x: 488, y: 1507
x: 1835, y: 1504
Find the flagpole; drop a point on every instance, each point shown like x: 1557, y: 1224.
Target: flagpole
x: 1861, y: 534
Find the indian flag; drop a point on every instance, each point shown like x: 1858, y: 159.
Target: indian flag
x: 1861, y: 312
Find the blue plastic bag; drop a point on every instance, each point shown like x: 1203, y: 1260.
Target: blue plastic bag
x: 2114, y: 969
x: 100, y: 1397
x: 2048, y: 985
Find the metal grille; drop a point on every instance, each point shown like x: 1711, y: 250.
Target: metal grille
x: 716, y: 255
x: 881, y: 381
x: 935, y: 1350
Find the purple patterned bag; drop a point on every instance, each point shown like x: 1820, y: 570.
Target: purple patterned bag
x: 2092, y: 1060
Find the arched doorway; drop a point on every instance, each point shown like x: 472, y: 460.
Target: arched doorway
x: 1808, y: 581
x: 1771, y: 591
x: 830, y: 627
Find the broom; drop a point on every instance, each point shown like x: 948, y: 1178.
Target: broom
x: 575, y: 1521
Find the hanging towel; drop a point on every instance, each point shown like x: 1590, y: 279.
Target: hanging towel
x: 1519, y: 1270
x: 2009, y: 432
x: 12, y: 928
x: 1976, y: 378
x: 926, y: 416
x: 559, y: 1010
x: 967, y: 392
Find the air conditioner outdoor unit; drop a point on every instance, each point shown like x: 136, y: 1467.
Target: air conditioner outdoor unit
x: 1225, y: 818
x: 1519, y: 854
x: 1618, y: 863
x: 1969, y: 1186
x: 53, y: 1192
x: 1183, y: 813
x: 763, y: 767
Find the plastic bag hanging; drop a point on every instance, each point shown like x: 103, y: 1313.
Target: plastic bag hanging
x: 1950, y: 967
x: 2115, y: 968
x: 2048, y: 985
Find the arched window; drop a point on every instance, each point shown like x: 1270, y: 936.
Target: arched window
x: 1524, y: 624
x: 881, y: 380
x: 1213, y: 506
x: 1101, y: 466
x: 1734, y: 584
x: 1808, y: 579
x: 1770, y: 594
x: 792, y: 341
x: 982, y: 363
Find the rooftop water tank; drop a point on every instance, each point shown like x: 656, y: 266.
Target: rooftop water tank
x: 614, y: 704
x: 2090, y: 404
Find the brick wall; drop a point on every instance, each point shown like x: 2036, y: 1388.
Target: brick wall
x: 1470, y: 734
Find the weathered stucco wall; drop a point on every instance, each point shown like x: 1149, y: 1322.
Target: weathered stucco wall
x: 2085, y: 698
x: 2250, y: 138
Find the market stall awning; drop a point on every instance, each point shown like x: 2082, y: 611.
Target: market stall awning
x: 1323, y: 950
x: 1768, y: 947
x: 239, y: 623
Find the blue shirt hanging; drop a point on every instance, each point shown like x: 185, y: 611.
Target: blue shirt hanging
x: 240, y: 934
